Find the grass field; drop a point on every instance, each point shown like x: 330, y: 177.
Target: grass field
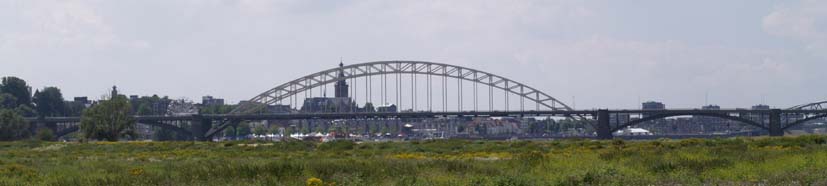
x: 739, y: 161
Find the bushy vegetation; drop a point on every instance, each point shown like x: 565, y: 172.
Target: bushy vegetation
x: 12, y: 126
x: 737, y: 161
x: 44, y: 134
x: 108, y: 120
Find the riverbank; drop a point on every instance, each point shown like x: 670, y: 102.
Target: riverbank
x: 732, y: 161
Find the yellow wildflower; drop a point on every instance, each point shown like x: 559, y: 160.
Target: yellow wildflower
x: 314, y: 182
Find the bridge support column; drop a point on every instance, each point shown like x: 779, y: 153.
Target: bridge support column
x: 775, y: 123
x: 604, y: 129
x: 200, y: 126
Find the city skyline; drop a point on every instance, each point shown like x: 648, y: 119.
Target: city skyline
x: 603, y: 54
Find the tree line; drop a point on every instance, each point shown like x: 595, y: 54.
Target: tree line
x: 109, y: 119
x: 17, y: 102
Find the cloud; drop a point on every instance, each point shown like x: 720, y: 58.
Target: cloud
x: 606, y: 72
x: 237, y: 49
x: 59, y: 25
x: 805, y: 22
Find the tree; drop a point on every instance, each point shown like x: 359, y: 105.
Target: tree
x: 49, y: 102
x: 25, y: 110
x: 44, y: 134
x: 108, y: 120
x: 274, y: 129
x: 7, y: 101
x: 18, y: 88
x: 12, y: 126
x: 375, y: 129
x: 229, y: 132
x: 162, y: 134
x: 150, y: 105
x: 289, y: 130
x: 73, y: 108
x: 143, y: 109
x: 260, y: 130
x: 243, y: 129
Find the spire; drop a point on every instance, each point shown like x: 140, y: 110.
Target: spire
x: 341, y: 85
x: 341, y: 69
x: 114, y: 91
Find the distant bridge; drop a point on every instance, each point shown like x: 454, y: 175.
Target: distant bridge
x: 424, y: 89
x: 600, y: 118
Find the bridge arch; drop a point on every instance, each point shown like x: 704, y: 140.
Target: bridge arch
x: 314, y: 80
x: 802, y: 121
x: 661, y: 116
x: 66, y: 131
x: 810, y: 106
x: 353, y: 71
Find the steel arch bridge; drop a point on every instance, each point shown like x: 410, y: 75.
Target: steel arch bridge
x: 318, y: 79
x: 290, y: 90
x: 177, y: 129
x: 801, y: 119
x: 810, y: 106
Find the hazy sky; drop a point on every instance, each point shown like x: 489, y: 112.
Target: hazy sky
x: 608, y: 54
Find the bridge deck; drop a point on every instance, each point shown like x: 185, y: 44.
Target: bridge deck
x: 559, y: 113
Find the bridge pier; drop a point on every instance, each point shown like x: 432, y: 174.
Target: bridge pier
x: 604, y: 129
x: 775, y: 123
x: 200, y: 126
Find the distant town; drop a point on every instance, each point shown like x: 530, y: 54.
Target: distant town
x: 179, y: 119
x: 405, y: 128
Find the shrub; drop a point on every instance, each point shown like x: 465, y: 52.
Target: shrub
x: 337, y: 145
x: 314, y: 182
x: 108, y: 120
x: 12, y: 126
x: 44, y: 134
x: 449, y: 162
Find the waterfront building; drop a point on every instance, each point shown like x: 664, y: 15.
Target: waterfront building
x: 652, y: 105
x: 211, y: 101
x: 386, y: 108
x: 340, y: 103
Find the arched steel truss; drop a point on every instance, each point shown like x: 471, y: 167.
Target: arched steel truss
x: 661, y: 116
x: 318, y: 79
x: 805, y: 117
x: 810, y: 106
x: 66, y: 131
x: 802, y: 121
x: 177, y: 129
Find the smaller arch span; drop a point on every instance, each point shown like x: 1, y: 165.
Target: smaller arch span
x: 802, y: 121
x: 179, y: 130
x: 66, y: 131
x: 661, y: 116
x: 810, y: 106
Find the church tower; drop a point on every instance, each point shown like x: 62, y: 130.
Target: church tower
x: 114, y: 92
x: 341, y: 85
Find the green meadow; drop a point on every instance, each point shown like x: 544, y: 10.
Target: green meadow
x: 732, y: 161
